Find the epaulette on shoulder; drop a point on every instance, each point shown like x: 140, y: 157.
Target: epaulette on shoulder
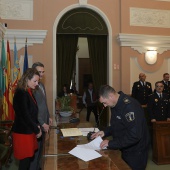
x: 126, y: 100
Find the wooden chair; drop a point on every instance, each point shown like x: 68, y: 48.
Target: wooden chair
x: 5, y: 143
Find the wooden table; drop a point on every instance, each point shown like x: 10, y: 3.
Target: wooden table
x: 56, y: 156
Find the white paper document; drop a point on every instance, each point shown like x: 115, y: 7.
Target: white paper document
x: 71, y: 132
x: 85, y: 154
x: 93, y: 145
x: 85, y: 131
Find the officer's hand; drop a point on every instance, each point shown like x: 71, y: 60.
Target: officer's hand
x: 168, y: 119
x: 95, y: 135
x: 104, y: 144
x: 153, y: 120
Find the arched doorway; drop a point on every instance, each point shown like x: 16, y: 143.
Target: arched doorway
x: 109, y: 63
x: 81, y: 22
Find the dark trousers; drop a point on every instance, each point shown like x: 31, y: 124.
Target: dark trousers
x: 24, y: 164
x: 137, y: 161
x: 36, y: 160
x: 94, y: 110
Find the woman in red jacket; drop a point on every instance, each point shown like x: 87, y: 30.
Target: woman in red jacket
x: 25, y: 128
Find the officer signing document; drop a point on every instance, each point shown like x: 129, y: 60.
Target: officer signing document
x: 128, y: 128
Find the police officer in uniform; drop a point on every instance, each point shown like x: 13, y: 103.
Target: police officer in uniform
x: 128, y: 128
x: 142, y: 89
x: 166, y: 84
x: 158, y: 104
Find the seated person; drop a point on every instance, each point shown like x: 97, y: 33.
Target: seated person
x: 64, y: 92
x: 74, y: 90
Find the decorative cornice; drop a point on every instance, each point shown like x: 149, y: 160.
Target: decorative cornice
x: 33, y: 37
x: 142, y: 43
x: 2, y: 29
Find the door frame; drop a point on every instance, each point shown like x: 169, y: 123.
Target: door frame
x: 109, y: 61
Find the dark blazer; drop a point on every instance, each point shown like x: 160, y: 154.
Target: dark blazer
x: 166, y: 88
x: 141, y: 93
x: 26, y: 113
x: 157, y: 108
x: 43, y: 112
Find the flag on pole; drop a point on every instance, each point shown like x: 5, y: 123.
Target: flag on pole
x: 16, y: 70
x: 25, y: 67
x: 8, y: 92
x: 3, y: 67
x: 3, y: 83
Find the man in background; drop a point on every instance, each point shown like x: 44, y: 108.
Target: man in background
x: 166, y: 84
x: 43, y: 114
x: 90, y: 102
x: 158, y: 104
x: 142, y: 89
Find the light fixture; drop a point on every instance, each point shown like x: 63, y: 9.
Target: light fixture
x: 151, y: 56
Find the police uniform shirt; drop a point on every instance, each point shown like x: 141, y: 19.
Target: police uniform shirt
x: 166, y: 87
x: 141, y: 92
x: 158, y: 108
x: 128, y: 126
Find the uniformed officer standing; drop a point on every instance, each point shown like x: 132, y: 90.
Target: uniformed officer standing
x: 158, y: 104
x: 166, y: 84
x: 128, y: 128
x: 142, y: 89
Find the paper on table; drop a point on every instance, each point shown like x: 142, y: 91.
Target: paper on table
x: 85, y: 131
x: 85, y: 154
x: 71, y: 132
x: 93, y: 145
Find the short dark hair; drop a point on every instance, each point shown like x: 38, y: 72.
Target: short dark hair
x: 159, y: 82
x: 165, y: 74
x: 105, y: 90
x: 37, y: 64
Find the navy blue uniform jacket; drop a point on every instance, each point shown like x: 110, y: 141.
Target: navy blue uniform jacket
x: 128, y: 126
x: 159, y: 109
x: 141, y: 93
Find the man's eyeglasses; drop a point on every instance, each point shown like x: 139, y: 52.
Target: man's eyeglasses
x: 41, y: 71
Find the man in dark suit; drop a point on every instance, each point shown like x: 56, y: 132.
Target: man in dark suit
x: 142, y: 89
x: 166, y: 84
x: 158, y: 104
x: 43, y: 113
x: 90, y: 102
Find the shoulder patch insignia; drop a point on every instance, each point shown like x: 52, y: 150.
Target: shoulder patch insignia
x: 126, y: 100
x: 130, y: 116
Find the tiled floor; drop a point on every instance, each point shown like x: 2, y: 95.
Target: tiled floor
x: 150, y: 166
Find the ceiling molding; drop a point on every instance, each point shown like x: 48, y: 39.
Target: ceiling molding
x: 33, y: 37
x: 142, y: 43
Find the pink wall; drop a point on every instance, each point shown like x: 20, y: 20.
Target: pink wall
x: 117, y: 11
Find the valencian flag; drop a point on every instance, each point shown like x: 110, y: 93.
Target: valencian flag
x: 16, y: 70
x: 25, y: 67
x: 8, y: 92
x: 8, y: 112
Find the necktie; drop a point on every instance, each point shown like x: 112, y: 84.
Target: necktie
x: 160, y: 96
x: 41, y: 89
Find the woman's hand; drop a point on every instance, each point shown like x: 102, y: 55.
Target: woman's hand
x: 40, y: 133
